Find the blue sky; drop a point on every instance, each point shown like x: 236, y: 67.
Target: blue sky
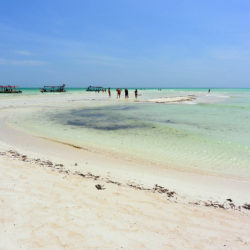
x: 132, y: 43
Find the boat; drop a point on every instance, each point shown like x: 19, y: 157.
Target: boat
x: 53, y: 88
x: 95, y: 88
x: 8, y: 89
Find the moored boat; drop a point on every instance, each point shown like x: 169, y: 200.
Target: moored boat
x: 60, y: 88
x: 8, y: 89
x: 95, y: 88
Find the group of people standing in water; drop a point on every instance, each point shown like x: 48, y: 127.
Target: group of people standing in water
x: 119, y: 91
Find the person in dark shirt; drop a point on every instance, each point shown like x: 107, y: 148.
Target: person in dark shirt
x: 126, y: 93
x: 136, y: 93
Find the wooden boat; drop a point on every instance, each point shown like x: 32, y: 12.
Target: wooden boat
x: 94, y: 88
x: 8, y: 89
x: 53, y: 88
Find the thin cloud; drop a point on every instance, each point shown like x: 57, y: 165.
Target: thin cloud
x: 4, y: 61
x: 24, y: 52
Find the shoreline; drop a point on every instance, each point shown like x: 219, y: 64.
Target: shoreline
x: 191, y: 186
x: 169, y: 195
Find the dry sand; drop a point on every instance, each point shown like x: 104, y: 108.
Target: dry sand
x: 44, y: 204
x: 177, y: 99
x: 42, y: 208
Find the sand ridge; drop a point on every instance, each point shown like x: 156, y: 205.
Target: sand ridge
x: 43, y: 209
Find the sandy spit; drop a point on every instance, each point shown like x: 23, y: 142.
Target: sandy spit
x: 42, y: 208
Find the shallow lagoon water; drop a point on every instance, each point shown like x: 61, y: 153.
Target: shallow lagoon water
x: 207, y: 135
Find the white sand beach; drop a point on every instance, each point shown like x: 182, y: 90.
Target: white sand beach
x: 55, y: 195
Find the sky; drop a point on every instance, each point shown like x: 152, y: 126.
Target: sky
x: 125, y: 43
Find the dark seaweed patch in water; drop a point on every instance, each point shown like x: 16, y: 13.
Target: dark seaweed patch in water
x: 103, y: 127
x: 102, y: 118
x: 102, y: 110
x: 95, y: 112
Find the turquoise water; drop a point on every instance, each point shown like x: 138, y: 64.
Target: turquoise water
x: 32, y: 91
x: 210, y: 134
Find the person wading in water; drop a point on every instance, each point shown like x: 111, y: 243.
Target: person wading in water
x: 118, y: 92
x: 136, y: 93
x: 109, y: 92
x: 126, y: 93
